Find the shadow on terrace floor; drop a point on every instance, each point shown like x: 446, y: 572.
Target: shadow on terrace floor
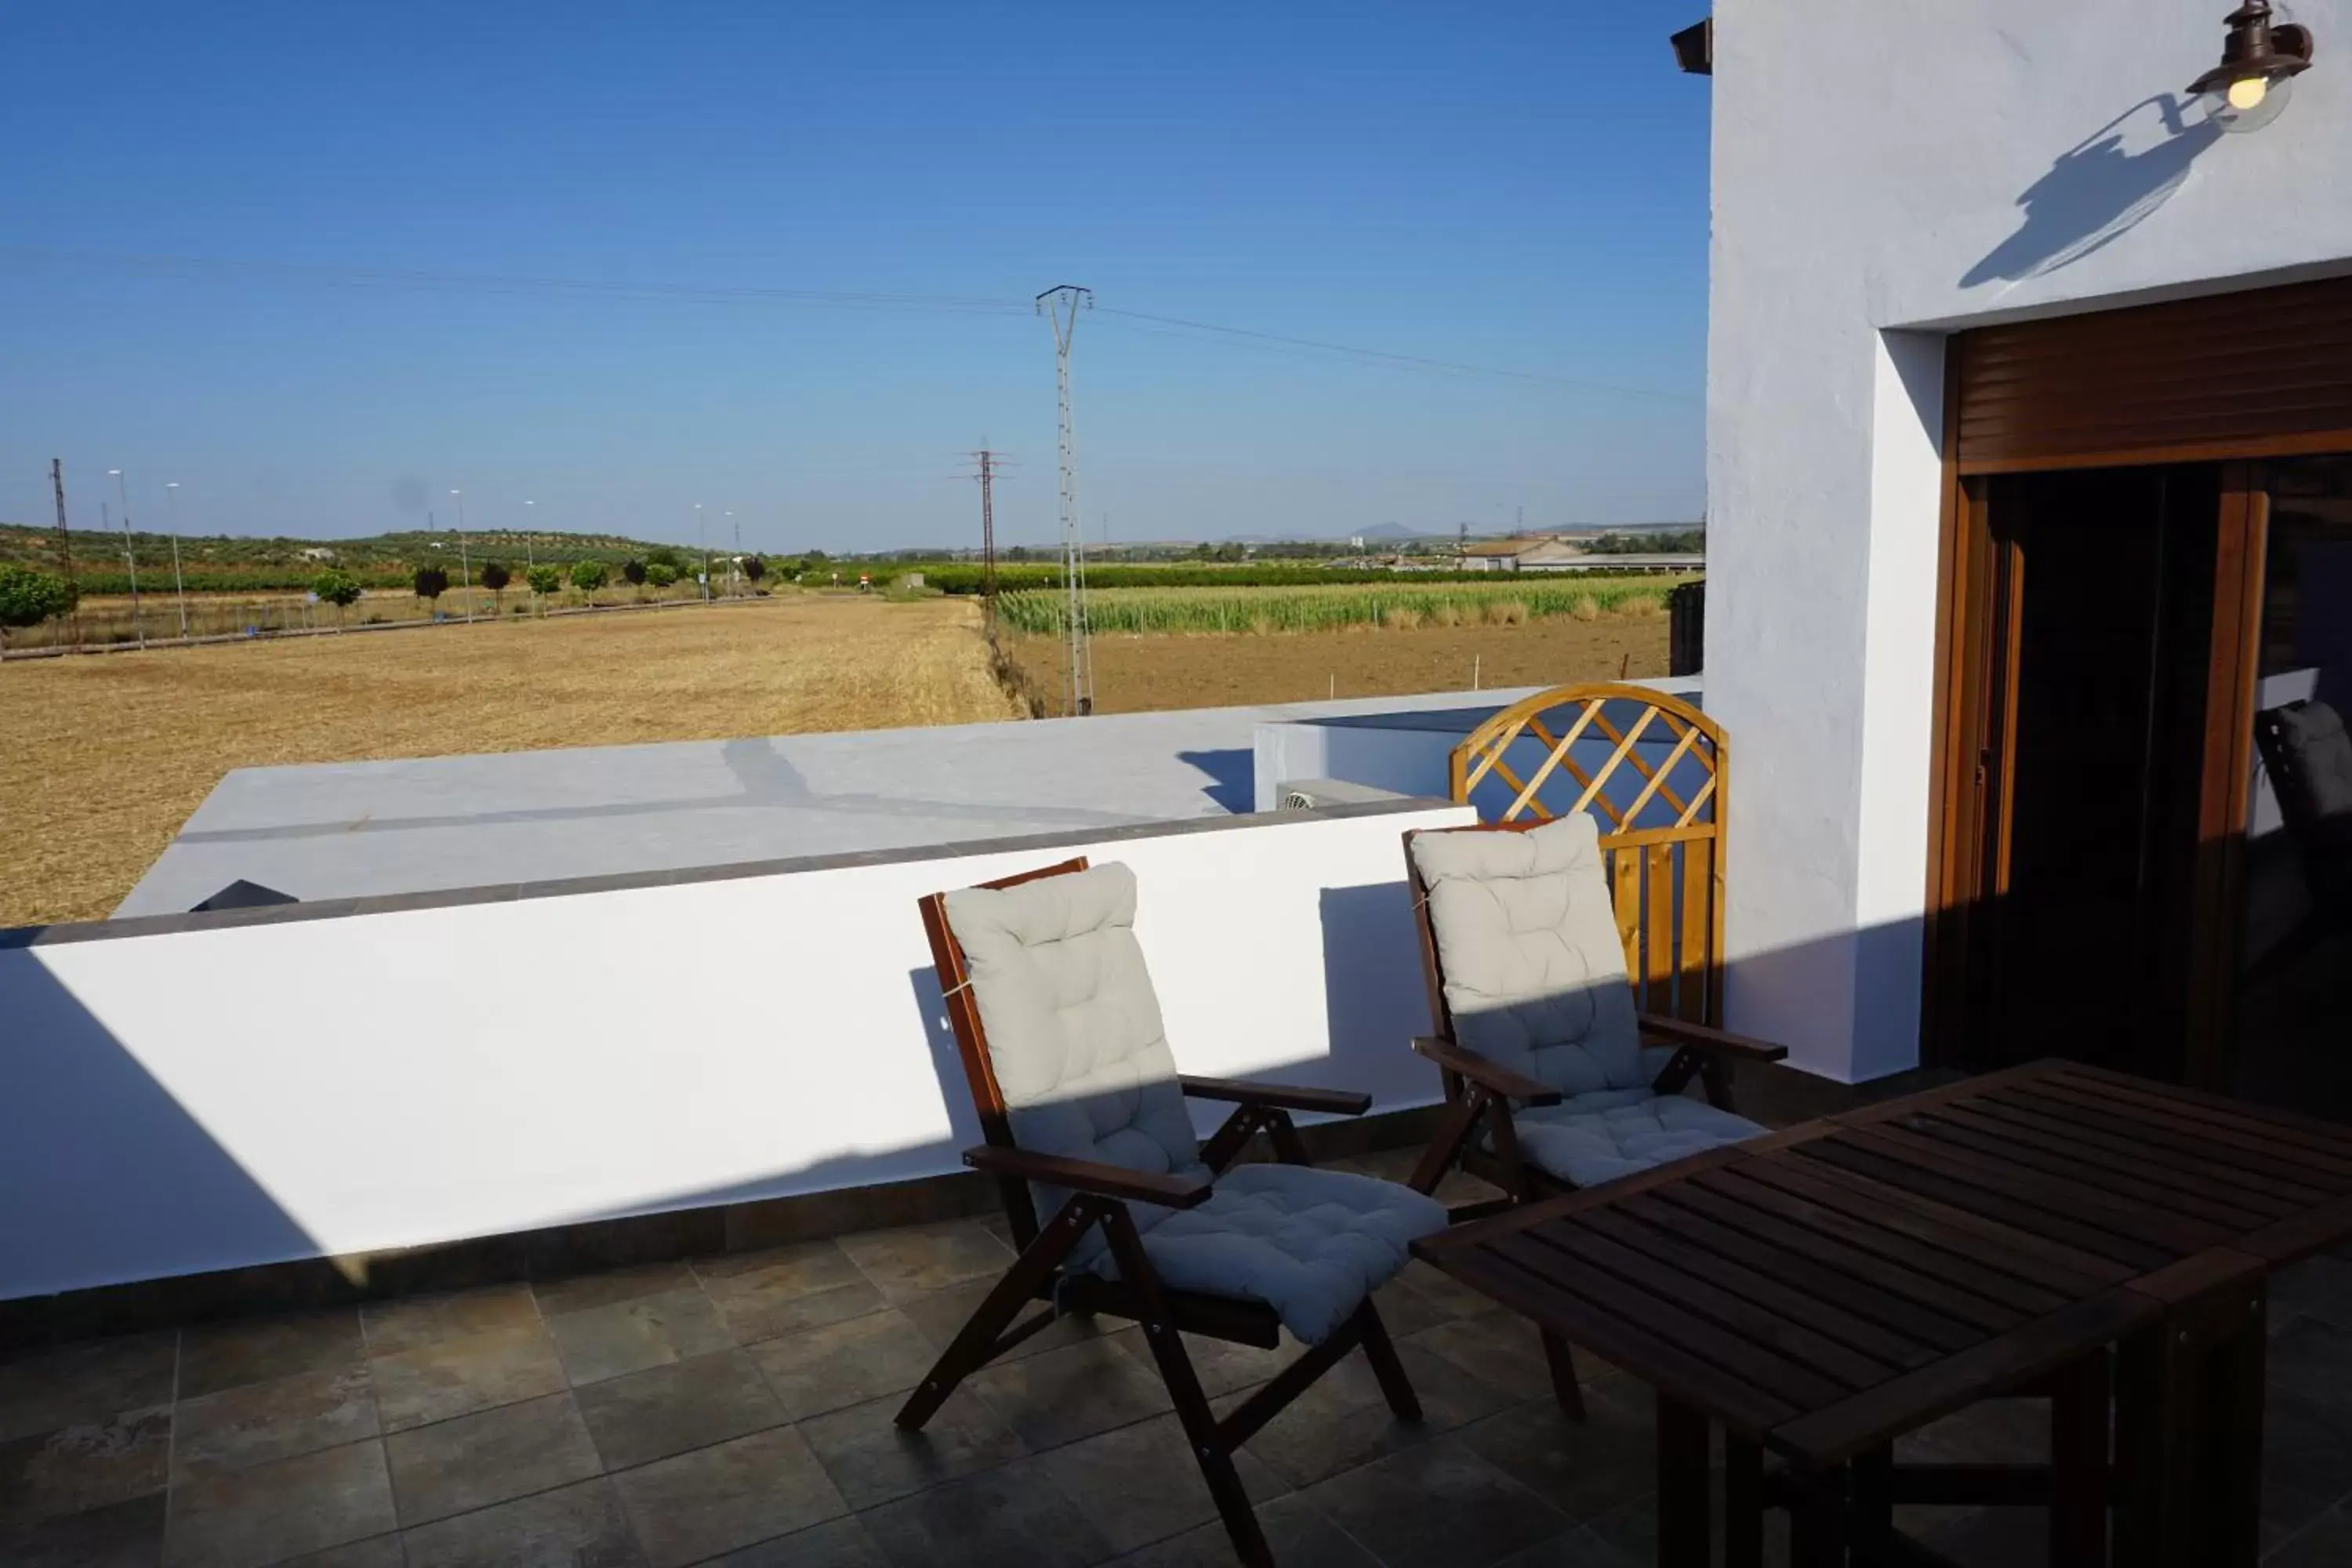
x: 739, y: 1411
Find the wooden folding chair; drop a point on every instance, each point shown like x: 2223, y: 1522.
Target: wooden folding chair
x: 1481, y: 1134
x: 1104, y: 1197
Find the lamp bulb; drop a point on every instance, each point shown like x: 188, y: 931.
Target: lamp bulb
x: 2248, y: 92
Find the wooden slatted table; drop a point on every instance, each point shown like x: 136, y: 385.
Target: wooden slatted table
x: 1822, y: 1291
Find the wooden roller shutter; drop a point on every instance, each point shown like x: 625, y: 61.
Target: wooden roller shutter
x: 2265, y: 372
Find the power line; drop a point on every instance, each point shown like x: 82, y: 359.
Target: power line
x: 199, y: 267
x: 1385, y: 356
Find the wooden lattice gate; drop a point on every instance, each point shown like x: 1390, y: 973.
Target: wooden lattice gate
x: 1650, y: 767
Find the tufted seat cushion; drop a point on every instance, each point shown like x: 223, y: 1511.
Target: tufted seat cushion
x: 1588, y: 1139
x: 1079, y: 1053
x: 1535, y: 980
x: 1311, y: 1244
x: 2314, y: 735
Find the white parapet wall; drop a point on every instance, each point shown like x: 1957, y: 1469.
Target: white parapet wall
x: 234, y: 1091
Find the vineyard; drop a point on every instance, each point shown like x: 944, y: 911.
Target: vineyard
x: 1221, y: 609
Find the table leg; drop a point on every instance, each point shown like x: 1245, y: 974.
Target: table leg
x: 1743, y: 1502
x: 1683, y: 1486
x: 2078, y: 1461
x: 2188, y: 1425
x: 1873, y: 1489
x: 1816, y: 1532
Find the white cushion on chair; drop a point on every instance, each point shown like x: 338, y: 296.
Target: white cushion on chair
x: 1076, y: 1042
x: 2314, y: 733
x: 1073, y: 1025
x: 1588, y: 1139
x: 1534, y: 977
x: 1311, y: 1244
x: 1535, y: 969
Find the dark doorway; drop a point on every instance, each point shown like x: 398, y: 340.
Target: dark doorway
x: 2102, y: 591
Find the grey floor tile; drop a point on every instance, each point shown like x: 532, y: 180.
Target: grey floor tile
x: 838, y: 1544
x: 438, y: 1379
x: 924, y: 1258
x: 414, y: 1321
x: 2326, y: 1542
x: 2307, y: 1459
x: 1499, y: 1348
x: 579, y: 1526
x: 1421, y: 1297
x: 1072, y: 1393
x: 1222, y: 1366
x: 85, y: 1465
x: 1580, y: 1547
x: 281, y: 1509
x: 253, y: 1423
x: 262, y: 1350
x: 942, y: 1315
x: 609, y: 1288
x: 1583, y: 1469
x: 83, y: 1384
x: 650, y: 1416
x: 730, y: 1495
x: 1436, y: 1505
x: 844, y: 1363
x: 487, y: 1458
x: 630, y: 1336
x: 873, y: 1460
x: 1011, y: 1517
x: 375, y: 1552
x: 784, y: 1289
x: 122, y: 1535
x: 2314, y: 1357
x: 1141, y: 1483
x: 1296, y: 1535
x: 1343, y: 1419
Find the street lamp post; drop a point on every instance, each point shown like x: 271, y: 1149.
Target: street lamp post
x: 179, y: 583
x: 465, y: 571
x: 530, y: 523
x: 129, y: 558
x: 735, y: 566
x: 702, y: 542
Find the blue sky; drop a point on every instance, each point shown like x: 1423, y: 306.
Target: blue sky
x: 1520, y: 186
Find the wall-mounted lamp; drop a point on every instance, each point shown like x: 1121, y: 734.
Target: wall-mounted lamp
x: 1694, y: 48
x: 2259, y: 64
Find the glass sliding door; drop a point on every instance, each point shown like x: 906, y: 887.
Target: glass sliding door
x: 2290, y: 1035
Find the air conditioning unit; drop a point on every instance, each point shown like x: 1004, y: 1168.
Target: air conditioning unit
x: 1316, y: 795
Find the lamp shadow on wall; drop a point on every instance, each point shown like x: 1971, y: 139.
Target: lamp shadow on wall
x: 2098, y: 191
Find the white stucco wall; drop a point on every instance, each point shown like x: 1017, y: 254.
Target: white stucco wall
x: 1884, y: 173
x: 253, y: 1093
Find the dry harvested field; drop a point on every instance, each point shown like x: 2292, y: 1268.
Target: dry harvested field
x: 1138, y: 674
x: 105, y: 755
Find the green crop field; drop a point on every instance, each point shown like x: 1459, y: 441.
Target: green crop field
x: 1248, y: 609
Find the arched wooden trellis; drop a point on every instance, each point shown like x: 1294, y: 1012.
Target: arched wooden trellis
x: 1651, y: 768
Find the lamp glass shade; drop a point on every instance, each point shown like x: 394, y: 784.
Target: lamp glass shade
x: 2248, y: 102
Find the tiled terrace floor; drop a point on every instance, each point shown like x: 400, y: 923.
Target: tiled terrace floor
x: 739, y: 1411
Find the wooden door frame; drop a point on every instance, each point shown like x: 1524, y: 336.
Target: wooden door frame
x: 1977, y: 634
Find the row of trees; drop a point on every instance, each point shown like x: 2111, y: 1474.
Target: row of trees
x: 29, y: 595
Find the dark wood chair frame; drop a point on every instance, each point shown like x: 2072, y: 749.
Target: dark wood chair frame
x: 1480, y: 1091
x: 1099, y: 1196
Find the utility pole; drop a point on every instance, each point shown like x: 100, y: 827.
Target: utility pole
x: 988, y: 462
x: 465, y: 571
x: 702, y: 542
x: 529, y: 522
x: 1061, y: 305
x: 179, y: 583
x: 130, y: 557
x: 65, y: 549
